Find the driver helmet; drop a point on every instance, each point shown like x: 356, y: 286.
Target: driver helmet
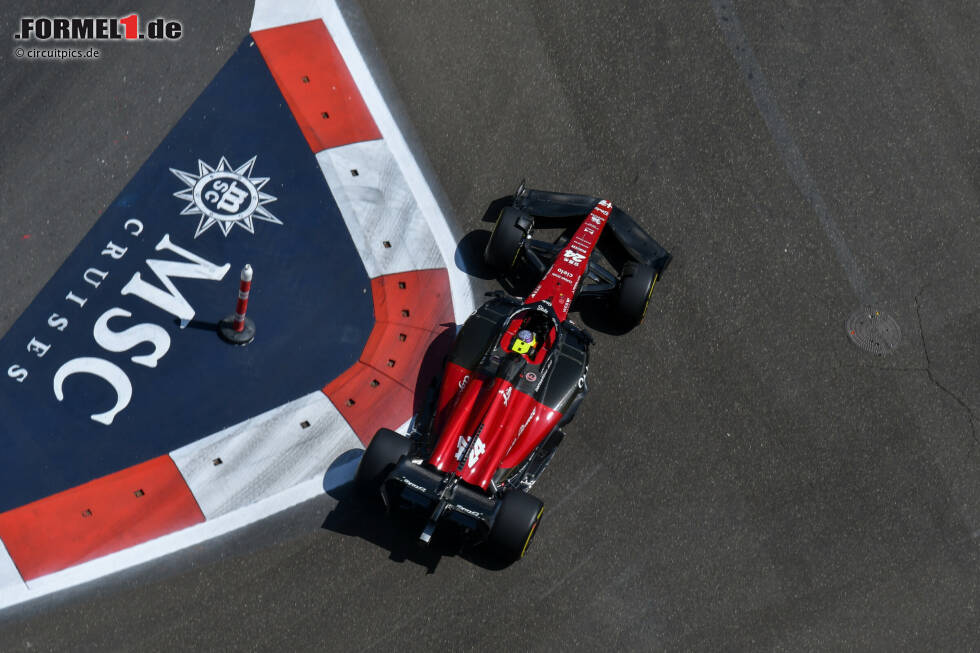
x: 524, y: 341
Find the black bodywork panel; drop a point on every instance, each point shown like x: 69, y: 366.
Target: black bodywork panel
x: 622, y: 228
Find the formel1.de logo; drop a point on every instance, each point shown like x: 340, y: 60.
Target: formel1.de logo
x: 225, y: 196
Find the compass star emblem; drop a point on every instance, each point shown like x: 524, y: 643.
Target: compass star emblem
x: 225, y: 196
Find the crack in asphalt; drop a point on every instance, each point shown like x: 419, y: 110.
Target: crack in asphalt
x: 935, y: 381
x: 928, y: 370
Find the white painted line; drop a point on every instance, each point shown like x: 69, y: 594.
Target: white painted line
x: 265, y: 455
x: 173, y: 542
x: 462, y: 291
x: 379, y: 207
x: 11, y: 584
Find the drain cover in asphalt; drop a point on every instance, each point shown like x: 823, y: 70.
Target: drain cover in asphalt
x: 873, y: 330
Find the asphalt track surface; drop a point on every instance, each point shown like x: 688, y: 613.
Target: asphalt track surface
x: 742, y: 476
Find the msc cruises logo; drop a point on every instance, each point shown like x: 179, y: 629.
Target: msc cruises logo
x: 225, y: 196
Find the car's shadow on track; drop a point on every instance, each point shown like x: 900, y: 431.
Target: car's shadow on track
x: 365, y: 517
x: 469, y: 255
x: 358, y: 516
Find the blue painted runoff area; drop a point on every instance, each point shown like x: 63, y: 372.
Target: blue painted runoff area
x: 98, y: 375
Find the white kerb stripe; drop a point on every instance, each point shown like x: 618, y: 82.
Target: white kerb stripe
x: 384, y: 221
x: 265, y: 455
x: 277, y: 13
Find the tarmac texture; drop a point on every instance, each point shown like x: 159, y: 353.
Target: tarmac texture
x: 742, y: 476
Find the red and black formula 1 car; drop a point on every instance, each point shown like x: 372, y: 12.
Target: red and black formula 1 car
x: 516, y: 374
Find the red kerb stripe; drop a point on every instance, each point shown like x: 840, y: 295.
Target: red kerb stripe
x: 414, y: 327
x: 319, y: 89
x: 100, y: 517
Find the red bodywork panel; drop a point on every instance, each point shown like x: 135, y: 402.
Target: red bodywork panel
x: 565, y: 274
x: 508, y: 424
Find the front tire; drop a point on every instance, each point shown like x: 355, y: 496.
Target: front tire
x: 380, y: 457
x: 516, y: 523
x: 635, y: 288
x: 506, y: 240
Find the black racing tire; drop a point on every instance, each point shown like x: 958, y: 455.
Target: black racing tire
x: 505, y: 242
x: 380, y: 457
x: 635, y: 287
x: 515, y: 525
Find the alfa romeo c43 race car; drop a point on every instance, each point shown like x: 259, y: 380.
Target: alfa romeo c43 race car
x: 516, y: 374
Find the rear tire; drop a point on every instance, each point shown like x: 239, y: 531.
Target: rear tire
x: 635, y: 288
x: 506, y: 240
x: 380, y: 457
x: 515, y: 525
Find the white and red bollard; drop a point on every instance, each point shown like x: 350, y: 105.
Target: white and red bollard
x: 236, y: 328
